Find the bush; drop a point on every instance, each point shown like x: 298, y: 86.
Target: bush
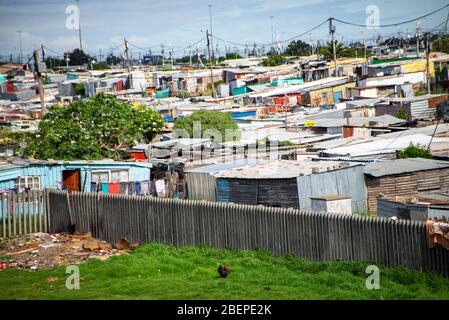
x: 413, y: 151
x: 273, y: 60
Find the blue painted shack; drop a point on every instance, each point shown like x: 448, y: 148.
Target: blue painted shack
x: 70, y: 175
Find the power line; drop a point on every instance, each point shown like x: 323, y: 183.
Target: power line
x: 393, y: 24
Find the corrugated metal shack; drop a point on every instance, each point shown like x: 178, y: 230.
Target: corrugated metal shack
x: 404, y: 177
x: 415, y: 207
x: 272, y: 184
x: 275, y: 183
x: 338, y: 182
x: 421, y: 107
x: 201, y: 181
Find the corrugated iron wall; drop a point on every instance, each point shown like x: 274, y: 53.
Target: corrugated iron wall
x: 270, y: 192
x: 200, y: 186
x: 345, y: 182
x: 315, y: 236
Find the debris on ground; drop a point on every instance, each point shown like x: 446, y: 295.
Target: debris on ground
x: 41, y: 250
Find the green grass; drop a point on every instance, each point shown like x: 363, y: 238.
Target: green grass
x: 158, y: 271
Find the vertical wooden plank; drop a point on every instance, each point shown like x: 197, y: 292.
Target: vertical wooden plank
x: 33, y: 207
x: 27, y: 198
x: 9, y: 213
x: 4, y: 213
x: 19, y: 214
x: 47, y: 209
x: 13, y: 206
x: 39, y: 210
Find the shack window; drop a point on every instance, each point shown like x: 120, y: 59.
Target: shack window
x: 28, y: 182
x: 110, y: 176
x: 100, y: 176
x: 120, y: 176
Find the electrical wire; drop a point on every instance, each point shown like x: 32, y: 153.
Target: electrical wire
x: 393, y: 24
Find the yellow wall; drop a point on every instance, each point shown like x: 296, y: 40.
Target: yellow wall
x: 342, y: 62
x: 418, y: 66
x: 315, y: 98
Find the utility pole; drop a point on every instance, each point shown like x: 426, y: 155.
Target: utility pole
x: 417, y: 38
x: 101, y: 57
x: 272, y: 33
x: 211, y: 36
x: 67, y: 59
x: 163, y: 54
x: 190, y: 55
x: 79, y: 24
x: 38, y: 75
x: 44, y: 58
x: 428, y: 62
x: 332, y: 30
x: 210, y: 64
x: 20, y: 43
x: 128, y: 66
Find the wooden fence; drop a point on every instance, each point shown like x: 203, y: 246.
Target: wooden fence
x: 22, y: 213
x: 316, y: 236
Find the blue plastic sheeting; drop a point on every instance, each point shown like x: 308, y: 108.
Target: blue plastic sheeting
x: 237, y: 115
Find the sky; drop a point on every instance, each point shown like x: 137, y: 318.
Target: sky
x: 177, y: 24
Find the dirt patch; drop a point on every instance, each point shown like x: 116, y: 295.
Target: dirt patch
x: 42, y: 251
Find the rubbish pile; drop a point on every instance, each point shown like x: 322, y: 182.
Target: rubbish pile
x: 42, y: 251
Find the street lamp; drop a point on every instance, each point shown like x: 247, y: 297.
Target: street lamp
x: 211, y: 34
x: 20, y: 42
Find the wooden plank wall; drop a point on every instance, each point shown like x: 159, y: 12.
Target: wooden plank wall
x: 406, y: 184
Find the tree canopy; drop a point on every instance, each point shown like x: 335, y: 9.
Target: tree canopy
x: 216, y: 120
x: 298, y: 48
x: 441, y: 44
x: 273, y: 60
x: 92, y: 129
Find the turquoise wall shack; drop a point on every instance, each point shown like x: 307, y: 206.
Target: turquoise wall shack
x: 16, y: 176
x: 240, y: 90
x: 288, y: 81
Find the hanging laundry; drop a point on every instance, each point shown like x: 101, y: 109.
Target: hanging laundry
x: 105, y: 187
x: 131, y: 188
x: 144, y: 188
x: 160, y: 187
x: 139, y: 188
x: 114, y: 188
x: 123, y: 187
x: 152, y: 187
x: 94, y: 187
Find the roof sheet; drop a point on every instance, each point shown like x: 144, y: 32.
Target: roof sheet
x: 400, y: 166
x: 215, y: 168
x: 281, y: 169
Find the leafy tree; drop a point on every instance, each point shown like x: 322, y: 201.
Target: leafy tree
x: 220, y: 121
x: 113, y: 60
x: 52, y: 62
x: 441, y: 44
x: 415, y: 151
x: 328, y: 50
x: 79, y: 57
x: 273, y: 60
x: 233, y: 56
x: 298, y: 48
x: 92, y: 129
x: 101, y: 66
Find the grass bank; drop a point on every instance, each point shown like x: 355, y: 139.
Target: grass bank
x: 158, y: 271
